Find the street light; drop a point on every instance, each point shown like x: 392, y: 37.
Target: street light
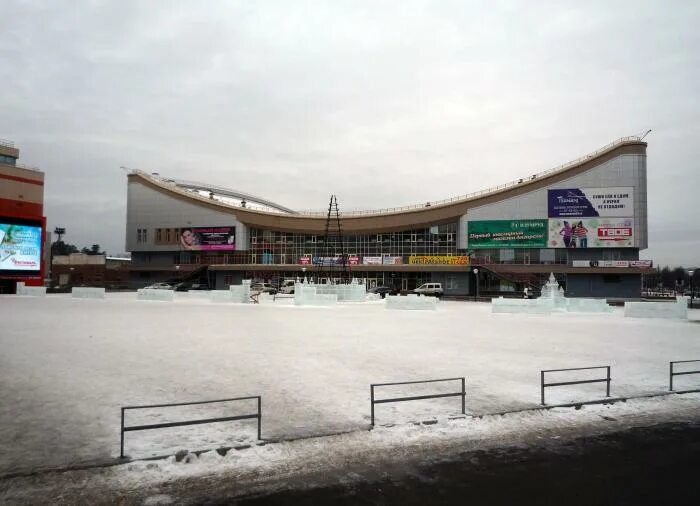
x: 692, y: 287
x: 476, y: 274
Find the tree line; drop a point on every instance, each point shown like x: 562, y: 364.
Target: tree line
x: 64, y: 248
x: 672, y: 279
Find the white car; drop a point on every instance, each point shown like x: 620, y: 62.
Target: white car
x: 287, y: 286
x: 263, y: 288
x: 159, y: 286
x: 429, y: 289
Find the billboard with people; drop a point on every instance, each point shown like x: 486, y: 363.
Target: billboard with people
x: 591, y: 233
x: 208, y: 238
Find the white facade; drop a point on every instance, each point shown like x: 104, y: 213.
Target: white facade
x: 150, y: 209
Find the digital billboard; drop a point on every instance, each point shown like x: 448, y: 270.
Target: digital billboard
x: 208, y: 238
x: 20, y: 246
x: 591, y: 233
x: 507, y: 234
x: 590, y: 202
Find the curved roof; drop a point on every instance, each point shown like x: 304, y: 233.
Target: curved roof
x: 266, y: 214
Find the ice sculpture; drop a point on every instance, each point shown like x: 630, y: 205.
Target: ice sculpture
x: 32, y: 291
x: 411, y: 301
x: 84, y: 292
x: 551, y: 300
x: 307, y: 295
x: 239, y: 293
x: 677, y: 310
x: 155, y: 294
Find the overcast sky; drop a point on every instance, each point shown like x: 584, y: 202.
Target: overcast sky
x: 382, y: 103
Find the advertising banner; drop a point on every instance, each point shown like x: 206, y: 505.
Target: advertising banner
x: 20, y: 248
x: 438, y: 260
x: 371, y: 260
x: 641, y: 263
x: 392, y: 260
x: 590, y: 202
x: 507, y: 234
x: 304, y: 260
x: 580, y: 263
x: 591, y: 233
x: 208, y: 239
x: 349, y: 260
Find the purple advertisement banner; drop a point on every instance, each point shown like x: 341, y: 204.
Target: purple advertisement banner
x: 590, y: 202
x: 208, y: 239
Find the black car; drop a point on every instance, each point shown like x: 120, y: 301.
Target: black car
x: 383, y: 290
x: 186, y: 286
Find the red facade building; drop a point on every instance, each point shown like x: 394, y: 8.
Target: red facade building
x: 22, y: 222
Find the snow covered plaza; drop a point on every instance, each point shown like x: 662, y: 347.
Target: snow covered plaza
x: 68, y: 365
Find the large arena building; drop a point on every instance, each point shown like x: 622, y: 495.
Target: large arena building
x: 585, y: 221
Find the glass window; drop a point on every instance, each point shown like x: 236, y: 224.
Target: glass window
x: 507, y: 255
x: 547, y: 256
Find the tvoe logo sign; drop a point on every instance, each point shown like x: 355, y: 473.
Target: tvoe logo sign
x: 615, y: 233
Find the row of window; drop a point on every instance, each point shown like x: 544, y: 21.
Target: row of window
x: 166, y: 236
x: 142, y: 235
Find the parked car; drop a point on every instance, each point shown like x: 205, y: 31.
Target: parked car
x: 186, y: 286
x: 383, y: 290
x: 429, y: 289
x: 287, y: 286
x: 160, y: 286
x: 263, y: 288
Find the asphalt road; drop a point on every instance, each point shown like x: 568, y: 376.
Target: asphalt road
x: 657, y: 465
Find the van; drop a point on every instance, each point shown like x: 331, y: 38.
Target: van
x: 287, y: 286
x: 429, y: 289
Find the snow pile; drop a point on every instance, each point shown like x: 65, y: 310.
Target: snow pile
x: 412, y: 302
x: 671, y: 310
x: 83, y: 292
x: 31, y: 291
x: 155, y: 294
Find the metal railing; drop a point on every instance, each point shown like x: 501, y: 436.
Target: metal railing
x: 672, y: 373
x: 543, y: 385
x: 131, y: 428
x: 374, y: 401
x: 390, y: 210
x: 6, y: 143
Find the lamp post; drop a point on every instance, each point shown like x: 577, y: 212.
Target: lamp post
x: 476, y: 275
x: 303, y: 274
x: 692, y: 287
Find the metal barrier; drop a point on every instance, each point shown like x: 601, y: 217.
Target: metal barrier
x: 417, y: 397
x: 580, y: 382
x: 124, y: 429
x: 672, y: 373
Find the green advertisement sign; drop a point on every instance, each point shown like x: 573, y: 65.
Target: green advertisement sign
x: 507, y: 234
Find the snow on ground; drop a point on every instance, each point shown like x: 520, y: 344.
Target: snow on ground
x: 68, y: 365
